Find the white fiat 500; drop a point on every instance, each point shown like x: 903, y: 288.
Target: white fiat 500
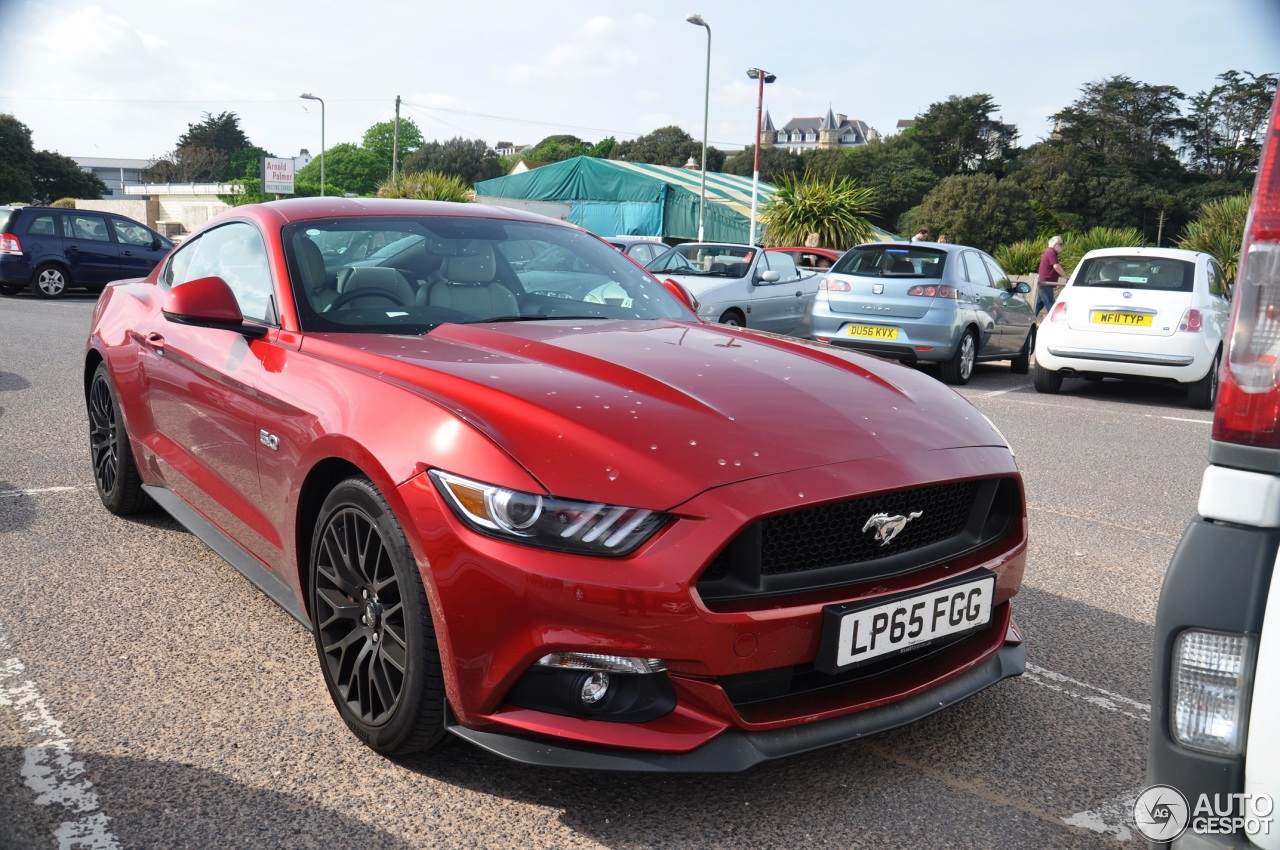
x: 1138, y: 314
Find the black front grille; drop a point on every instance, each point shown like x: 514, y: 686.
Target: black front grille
x: 837, y: 543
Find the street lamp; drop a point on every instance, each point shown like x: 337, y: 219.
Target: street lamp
x: 697, y: 21
x: 313, y: 97
x: 763, y: 77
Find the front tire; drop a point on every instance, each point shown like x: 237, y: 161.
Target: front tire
x: 733, y: 319
x: 115, y: 474
x: 1046, y: 381
x: 50, y: 281
x: 373, y: 628
x: 959, y: 369
x: 1203, y: 393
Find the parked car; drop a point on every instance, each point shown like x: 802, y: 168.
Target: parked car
x: 51, y: 250
x: 1156, y: 314
x: 741, y: 285
x: 562, y: 528
x: 926, y: 302
x: 1215, y: 689
x: 810, y: 259
x: 642, y: 249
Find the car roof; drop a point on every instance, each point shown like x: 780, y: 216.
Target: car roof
x: 1138, y: 251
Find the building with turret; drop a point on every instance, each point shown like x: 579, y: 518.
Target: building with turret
x: 828, y: 132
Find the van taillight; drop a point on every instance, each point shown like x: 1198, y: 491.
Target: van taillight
x: 9, y: 244
x: 1248, y: 408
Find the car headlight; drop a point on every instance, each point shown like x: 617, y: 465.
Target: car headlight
x: 589, y: 528
x: 1209, y: 690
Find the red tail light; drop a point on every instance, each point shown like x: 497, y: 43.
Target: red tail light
x: 1058, y: 314
x: 9, y: 244
x: 834, y: 285
x: 934, y: 290
x: 1192, y: 321
x: 1248, y: 408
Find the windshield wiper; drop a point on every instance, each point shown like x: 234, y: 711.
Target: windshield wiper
x: 530, y: 319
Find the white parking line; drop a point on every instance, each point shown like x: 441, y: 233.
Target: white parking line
x: 13, y: 494
x: 49, y: 768
x: 1111, y: 818
x: 1088, y: 693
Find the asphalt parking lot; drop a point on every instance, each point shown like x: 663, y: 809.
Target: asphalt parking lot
x: 150, y: 697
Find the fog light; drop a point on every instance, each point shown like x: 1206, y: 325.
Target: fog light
x: 1209, y: 689
x: 594, y: 688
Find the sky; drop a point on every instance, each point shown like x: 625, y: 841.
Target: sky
x: 126, y: 79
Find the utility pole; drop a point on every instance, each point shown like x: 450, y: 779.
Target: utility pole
x: 395, y: 143
x: 1159, y: 228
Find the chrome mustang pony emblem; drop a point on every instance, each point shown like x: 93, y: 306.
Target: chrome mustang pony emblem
x: 887, y: 527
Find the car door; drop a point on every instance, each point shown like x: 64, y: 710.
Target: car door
x: 1017, y: 316
x: 202, y: 389
x: 92, y: 256
x: 140, y: 247
x: 779, y: 305
x: 986, y: 302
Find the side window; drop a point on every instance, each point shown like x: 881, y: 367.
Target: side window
x: 236, y: 253
x: 974, y: 270
x: 41, y: 226
x: 1217, y: 281
x: 91, y: 227
x: 782, y: 264
x: 129, y: 233
x: 997, y: 274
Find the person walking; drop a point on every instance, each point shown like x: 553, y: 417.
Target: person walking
x: 922, y: 235
x: 1051, y: 274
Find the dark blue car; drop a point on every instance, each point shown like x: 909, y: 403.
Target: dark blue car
x: 52, y: 250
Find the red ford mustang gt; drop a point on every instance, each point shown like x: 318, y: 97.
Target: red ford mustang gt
x: 520, y: 494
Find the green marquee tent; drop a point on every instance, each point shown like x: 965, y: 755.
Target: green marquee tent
x: 619, y: 198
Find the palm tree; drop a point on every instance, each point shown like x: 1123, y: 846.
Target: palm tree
x: 426, y: 186
x: 1218, y: 231
x: 838, y: 211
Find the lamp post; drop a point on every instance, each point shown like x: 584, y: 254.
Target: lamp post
x: 696, y: 20
x: 763, y: 77
x: 313, y: 97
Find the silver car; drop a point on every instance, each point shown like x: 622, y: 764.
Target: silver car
x: 741, y: 285
x: 926, y: 301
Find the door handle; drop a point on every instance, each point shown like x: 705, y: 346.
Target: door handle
x: 800, y: 293
x: 72, y: 248
x: 155, y: 342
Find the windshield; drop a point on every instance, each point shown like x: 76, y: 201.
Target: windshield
x: 1163, y: 273
x: 731, y: 261
x: 891, y: 261
x: 381, y: 274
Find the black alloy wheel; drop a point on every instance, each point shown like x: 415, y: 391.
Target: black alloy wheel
x: 372, y: 625
x: 115, y: 473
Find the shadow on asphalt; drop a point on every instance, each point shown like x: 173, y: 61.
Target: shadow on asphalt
x: 179, y: 807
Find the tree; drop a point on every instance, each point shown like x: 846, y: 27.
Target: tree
x: 221, y: 132
x: 837, y: 211
x: 977, y: 210
x: 190, y: 164
x: 1124, y: 125
x: 604, y: 148
x: 16, y: 167
x: 381, y: 140
x: 961, y: 137
x: 776, y: 164
x: 668, y: 146
x: 347, y: 168
x: 58, y: 176
x: 897, y: 171
x: 470, y: 160
x: 246, y: 162
x: 1223, y: 132
x: 556, y: 149
x: 215, y: 150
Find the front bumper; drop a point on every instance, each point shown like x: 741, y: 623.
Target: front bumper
x: 736, y: 750
x: 500, y: 607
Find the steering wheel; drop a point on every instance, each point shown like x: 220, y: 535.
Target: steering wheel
x: 347, y: 297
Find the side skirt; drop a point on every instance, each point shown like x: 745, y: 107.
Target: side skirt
x: 230, y: 551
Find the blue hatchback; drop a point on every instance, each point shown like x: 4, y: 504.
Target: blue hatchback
x: 52, y: 250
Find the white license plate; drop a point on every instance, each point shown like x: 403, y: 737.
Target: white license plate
x: 852, y: 637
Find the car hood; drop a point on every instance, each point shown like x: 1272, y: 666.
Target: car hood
x: 652, y: 413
